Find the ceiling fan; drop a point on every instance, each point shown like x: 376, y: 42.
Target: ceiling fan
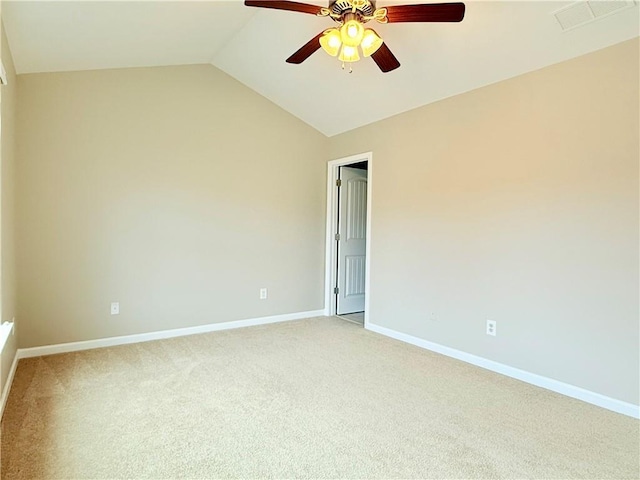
x: 351, y: 36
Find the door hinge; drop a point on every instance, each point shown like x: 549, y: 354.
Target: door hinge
x: 338, y: 236
x: 338, y: 183
x: 336, y: 290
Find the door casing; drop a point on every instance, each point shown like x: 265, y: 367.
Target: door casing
x: 331, y: 253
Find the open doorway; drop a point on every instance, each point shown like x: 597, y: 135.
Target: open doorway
x: 348, y: 238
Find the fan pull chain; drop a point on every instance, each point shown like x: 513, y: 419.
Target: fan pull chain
x: 350, y: 67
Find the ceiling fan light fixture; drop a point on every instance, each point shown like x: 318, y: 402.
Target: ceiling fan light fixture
x: 349, y: 54
x: 351, y: 33
x: 371, y: 42
x: 331, y: 42
x: 348, y: 40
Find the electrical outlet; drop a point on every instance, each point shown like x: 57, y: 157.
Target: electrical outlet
x: 492, y: 327
x: 263, y: 294
x: 115, y: 308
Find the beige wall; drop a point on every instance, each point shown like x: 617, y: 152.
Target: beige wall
x: 7, y: 176
x: 179, y: 193
x: 517, y: 202
x: 176, y: 191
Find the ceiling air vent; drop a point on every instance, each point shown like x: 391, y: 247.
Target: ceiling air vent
x: 581, y: 13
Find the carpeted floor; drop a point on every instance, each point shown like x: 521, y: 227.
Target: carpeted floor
x: 357, y: 317
x: 318, y: 398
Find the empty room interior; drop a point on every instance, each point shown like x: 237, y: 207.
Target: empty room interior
x: 331, y: 239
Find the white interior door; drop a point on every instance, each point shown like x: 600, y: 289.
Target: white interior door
x: 352, y: 228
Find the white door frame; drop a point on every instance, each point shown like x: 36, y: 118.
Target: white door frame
x: 331, y: 255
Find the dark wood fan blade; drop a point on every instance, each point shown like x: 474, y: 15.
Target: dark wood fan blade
x: 278, y: 5
x: 385, y: 60
x: 434, y: 12
x: 306, y: 50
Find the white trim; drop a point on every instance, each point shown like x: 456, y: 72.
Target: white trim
x: 8, y: 383
x: 569, y: 390
x: 6, y: 329
x: 146, y: 337
x: 332, y: 217
x: 3, y: 75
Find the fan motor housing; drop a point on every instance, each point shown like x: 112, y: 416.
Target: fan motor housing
x: 363, y: 7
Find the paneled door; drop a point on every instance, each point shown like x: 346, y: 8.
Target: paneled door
x: 352, y: 227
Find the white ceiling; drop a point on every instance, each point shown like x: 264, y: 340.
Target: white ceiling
x: 495, y: 41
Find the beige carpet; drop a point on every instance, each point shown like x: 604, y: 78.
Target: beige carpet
x: 315, y: 398
x: 353, y: 317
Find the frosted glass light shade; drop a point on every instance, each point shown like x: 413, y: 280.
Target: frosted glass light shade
x: 330, y: 41
x: 349, y: 54
x: 371, y: 42
x: 351, y: 33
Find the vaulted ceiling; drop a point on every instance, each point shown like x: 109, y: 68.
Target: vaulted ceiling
x: 495, y: 41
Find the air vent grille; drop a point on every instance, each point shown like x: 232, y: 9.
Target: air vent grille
x: 602, y: 8
x: 583, y: 12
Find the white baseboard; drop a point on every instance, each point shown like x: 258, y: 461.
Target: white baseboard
x: 146, y: 337
x: 588, y: 396
x: 7, y: 385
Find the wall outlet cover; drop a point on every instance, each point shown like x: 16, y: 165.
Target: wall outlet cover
x: 492, y: 327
